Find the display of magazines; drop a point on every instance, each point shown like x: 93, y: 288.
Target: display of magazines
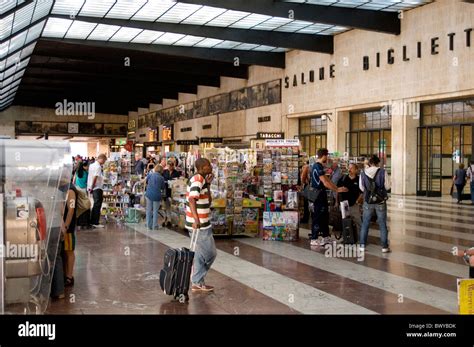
x: 280, y: 226
x: 178, y: 202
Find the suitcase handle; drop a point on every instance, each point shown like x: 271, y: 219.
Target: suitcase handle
x: 194, y: 238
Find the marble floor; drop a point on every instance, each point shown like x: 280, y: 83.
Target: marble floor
x: 117, y: 270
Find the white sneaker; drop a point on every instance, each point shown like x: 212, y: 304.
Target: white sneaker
x: 98, y: 226
x: 362, y: 248
x: 326, y: 240
x: 386, y: 250
x: 314, y: 242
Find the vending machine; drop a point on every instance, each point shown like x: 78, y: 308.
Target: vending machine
x: 34, y: 179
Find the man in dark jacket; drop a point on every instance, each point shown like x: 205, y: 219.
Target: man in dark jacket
x: 169, y: 174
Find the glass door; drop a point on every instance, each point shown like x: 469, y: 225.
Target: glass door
x: 430, y: 158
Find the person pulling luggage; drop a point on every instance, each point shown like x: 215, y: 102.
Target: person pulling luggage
x: 198, y: 209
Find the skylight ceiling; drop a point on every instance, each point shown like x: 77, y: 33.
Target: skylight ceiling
x: 21, y: 25
x: 74, y: 29
x: 379, y: 5
x: 181, y: 13
x: 186, y: 28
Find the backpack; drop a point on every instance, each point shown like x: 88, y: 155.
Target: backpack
x: 83, y: 203
x: 376, y: 194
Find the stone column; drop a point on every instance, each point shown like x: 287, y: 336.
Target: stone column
x: 336, y: 133
x: 404, y: 148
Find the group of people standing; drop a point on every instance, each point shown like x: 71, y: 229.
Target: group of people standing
x: 157, y: 188
x: 366, y: 191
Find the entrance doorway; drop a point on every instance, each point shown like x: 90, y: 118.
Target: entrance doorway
x: 440, y: 151
x: 444, y: 141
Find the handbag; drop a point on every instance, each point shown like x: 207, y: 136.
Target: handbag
x: 311, y: 194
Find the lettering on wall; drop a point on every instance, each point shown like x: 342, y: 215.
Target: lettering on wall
x: 391, y: 56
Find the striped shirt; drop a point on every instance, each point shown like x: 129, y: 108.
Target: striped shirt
x: 198, y: 190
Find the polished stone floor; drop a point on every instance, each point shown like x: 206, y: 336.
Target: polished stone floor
x: 117, y: 270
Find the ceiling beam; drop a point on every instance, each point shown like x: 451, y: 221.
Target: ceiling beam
x: 231, y: 56
x: 97, y: 85
x: 82, y: 92
x: 315, y: 43
x: 111, y: 72
x: 47, y: 50
x: 380, y: 21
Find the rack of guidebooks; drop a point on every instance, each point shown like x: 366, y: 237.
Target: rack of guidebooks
x: 116, y: 185
x: 280, y: 160
x: 235, y: 210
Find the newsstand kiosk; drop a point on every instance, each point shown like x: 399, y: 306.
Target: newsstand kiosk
x: 34, y: 177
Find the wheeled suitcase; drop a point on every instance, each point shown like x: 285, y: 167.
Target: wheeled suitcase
x: 176, y: 273
x: 348, y: 231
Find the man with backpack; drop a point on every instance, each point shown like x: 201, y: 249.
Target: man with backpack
x: 374, y: 183
x: 470, y: 174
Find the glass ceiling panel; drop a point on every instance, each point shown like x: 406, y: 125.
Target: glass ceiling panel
x: 56, y: 27
x: 152, y: 10
x: 168, y: 38
x: 17, y: 41
x: 189, y: 40
x: 208, y: 43
x: 97, y: 8
x: 179, y: 12
x: 125, y: 8
x: 227, y: 18
x: 42, y: 9
x: 377, y: 5
x: 103, y: 32
x: 204, y: 15
x: 34, y: 32
x: 147, y: 36
x: 67, y: 7
x: 125, y: 34
x: 250, y: 21
x: 6, y: 26
x: 7, y: 5
x: 80, y: 30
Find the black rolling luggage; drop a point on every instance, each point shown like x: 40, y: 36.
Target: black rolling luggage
x: 349, y: 236
x: 176, y: 273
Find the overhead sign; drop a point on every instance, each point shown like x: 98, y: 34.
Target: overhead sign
x: 187, y: 142
x: 211, y: 140
x: 73, y: 128
x: 282, y: 143
x: 262, y: 135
